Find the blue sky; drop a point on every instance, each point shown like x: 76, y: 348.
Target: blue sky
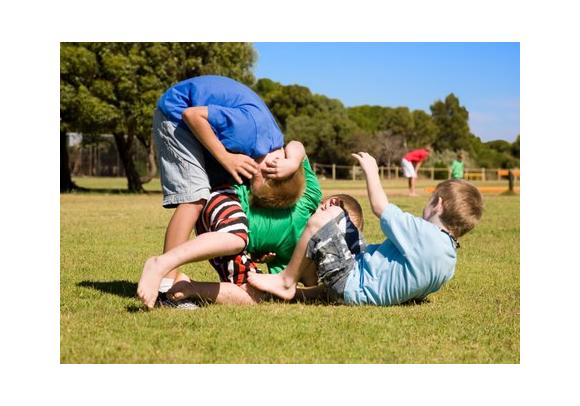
x: 485, y: 76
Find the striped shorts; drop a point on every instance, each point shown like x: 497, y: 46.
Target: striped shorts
x: 223, y: 213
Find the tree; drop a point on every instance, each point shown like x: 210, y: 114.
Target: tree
x: 113, y: 88
x: 327, y: 136
x: 451, y: 119
x: 515, y: 150
x: 425, y: 131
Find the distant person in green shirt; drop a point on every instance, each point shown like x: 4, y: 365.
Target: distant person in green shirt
x: 457, y: 167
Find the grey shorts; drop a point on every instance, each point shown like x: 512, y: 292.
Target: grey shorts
x: 333, y: 248
x: 181, y: 163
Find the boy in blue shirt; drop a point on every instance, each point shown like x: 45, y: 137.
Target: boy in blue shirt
x: 417, y: 258
x: 221, y: 124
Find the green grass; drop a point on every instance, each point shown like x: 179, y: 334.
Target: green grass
x: 106, y: 237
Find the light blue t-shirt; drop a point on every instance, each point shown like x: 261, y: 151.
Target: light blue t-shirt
x: 416, y: 259
x: 237, y: 115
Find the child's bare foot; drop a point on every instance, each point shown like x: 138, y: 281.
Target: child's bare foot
x: 181, y: 290
x: 274, y: 284
x: 149, y: 282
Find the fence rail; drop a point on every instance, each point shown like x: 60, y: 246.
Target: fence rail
x: 333, y: 171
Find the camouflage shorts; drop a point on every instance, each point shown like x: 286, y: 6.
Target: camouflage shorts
x: 333, y: 248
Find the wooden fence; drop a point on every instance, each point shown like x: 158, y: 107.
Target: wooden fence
x: 354, y: 172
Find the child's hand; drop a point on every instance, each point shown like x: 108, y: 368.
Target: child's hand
x: 239, y: 165
x: 279, y: 168
x: 367, y: 163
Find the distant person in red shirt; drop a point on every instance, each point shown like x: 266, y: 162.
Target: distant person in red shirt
x: 411, y: 163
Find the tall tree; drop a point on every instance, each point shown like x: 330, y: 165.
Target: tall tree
x: 113, y: 87
x: 451, y: 118
x: 425, y: 131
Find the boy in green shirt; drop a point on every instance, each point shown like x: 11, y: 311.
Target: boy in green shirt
x: 457, y: 167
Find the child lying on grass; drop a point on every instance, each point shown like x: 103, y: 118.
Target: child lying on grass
x: 417, y: 258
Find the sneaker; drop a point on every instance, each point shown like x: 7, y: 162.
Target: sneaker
x: 164, y: 301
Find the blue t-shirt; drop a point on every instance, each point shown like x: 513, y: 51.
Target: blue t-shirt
x: 237, y: 115
x: 416, y: 259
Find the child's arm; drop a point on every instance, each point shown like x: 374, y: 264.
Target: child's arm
x: 284, y: 167
x: 237, y: 165
x: 417, y: 167
x: 377, y: 195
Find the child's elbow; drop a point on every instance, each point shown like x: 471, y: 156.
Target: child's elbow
x: 378, y: 209
x: 193, y: 114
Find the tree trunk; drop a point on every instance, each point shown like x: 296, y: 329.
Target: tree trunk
x: 151, y: 163
x: 125, y: 153
x: 66, y: 183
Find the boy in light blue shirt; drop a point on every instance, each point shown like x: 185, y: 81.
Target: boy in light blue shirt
x: 417, y: 258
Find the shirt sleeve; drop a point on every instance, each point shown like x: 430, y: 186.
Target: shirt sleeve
x: 312, y: 196
x: 401, y: 228
x: 234, y: 127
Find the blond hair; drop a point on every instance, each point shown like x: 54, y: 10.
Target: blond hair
x: 462, y: 205
x: 352, y: 207
x: 279, y: 193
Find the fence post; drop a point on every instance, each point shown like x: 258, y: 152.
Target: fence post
x: 482, y: 173
x: 389, y: 172
x: 511, y: 181
x: 333, y: 171
x: 353, y: 172
x: 448, y: 173
x: 396, y: 172
x: 382, y: 172
x: 432, y: 173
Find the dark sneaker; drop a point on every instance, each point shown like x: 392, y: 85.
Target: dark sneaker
x: 164, y: 301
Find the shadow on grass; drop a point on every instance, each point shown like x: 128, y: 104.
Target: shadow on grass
x: 111, y: 191
x: 415, y: 302
x: 119, y: 288
x: 135, y: 309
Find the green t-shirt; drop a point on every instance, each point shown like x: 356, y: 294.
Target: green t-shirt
x: 457, y: 169
x: 278, y: 230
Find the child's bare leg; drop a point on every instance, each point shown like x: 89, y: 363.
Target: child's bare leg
x: 283, y: 285
x: 412, y: 183
x: 179, y: 230
x: 204, y: 246
x: 219, y: 293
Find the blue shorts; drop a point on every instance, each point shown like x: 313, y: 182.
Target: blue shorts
x: 181, y: 163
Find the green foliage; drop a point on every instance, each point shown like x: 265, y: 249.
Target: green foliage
x: 425, y: 130
x: 515, y: 150
x: 494, y: 154
x: 113, y: 87
x: 441, y: 175
x: 451, y: 118
x: 320, y: 123
x: 327, y: 136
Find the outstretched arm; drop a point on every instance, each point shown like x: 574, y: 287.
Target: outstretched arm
x: 237, y: 165
x: 281, y: 168
x: 377, y: 195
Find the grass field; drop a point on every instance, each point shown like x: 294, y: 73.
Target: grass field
x: 107, y: 235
